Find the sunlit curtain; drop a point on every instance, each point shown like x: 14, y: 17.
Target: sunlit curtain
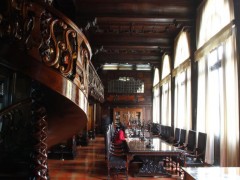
x: 182, y: 91
x: 182, y: 113
x: 156, y: 97
x: 230, y: 107
x: 166, y: 92
x: 217, y: 109
x: 218, y: 102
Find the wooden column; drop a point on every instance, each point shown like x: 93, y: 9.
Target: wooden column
x: 39, y: 166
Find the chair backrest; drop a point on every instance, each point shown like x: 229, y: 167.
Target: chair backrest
x: 182, y: 136
x: 162, y: 130
x: 155, y: 128
x: 202, y: 141
x: 107, y: 139
x: 177, y: 135
x: 168, y: 132
x: 111, y: 130
x: 170, y: 138
x: 117, y: 159
x: 117, y: 149
x: 191, y: 145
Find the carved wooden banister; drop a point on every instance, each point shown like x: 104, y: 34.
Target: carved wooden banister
x: 49, y: 37
x: 17, y: 123
x: 14, y: 107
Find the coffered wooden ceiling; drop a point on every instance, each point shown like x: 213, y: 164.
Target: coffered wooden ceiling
x: 130, y: 31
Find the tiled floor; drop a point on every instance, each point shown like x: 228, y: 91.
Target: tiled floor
x: 89, y: 164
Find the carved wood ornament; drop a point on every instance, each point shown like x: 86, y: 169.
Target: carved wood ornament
x: 51, y: 38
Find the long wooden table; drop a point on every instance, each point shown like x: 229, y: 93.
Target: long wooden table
x: 210, y: 173
x: 151, y: 157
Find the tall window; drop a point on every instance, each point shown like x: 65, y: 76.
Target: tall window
x: 166, y: 92
x: 156, y: 98
x: 182, y: 91
x: 218, y: 105
x: 211, y: 19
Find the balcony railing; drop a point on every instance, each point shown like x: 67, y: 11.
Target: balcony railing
x: 95, y: 85
x: 51, y: 38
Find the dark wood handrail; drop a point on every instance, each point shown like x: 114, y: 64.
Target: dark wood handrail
x: 15, y: 106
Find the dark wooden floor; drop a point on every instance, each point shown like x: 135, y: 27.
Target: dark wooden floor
x: 89, y: 164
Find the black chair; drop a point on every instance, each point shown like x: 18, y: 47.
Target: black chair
x: 155, y: 129
x: 188, y: 147
x: 182, y: 138
x: 166, y: 132
x: 191, y: 142
x: 176, y: 138
x: 172, y: 140
x: 177, y: 135
x: 117, y: 160
x: 197, y: 158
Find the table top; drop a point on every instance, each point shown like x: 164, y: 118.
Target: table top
x: 210, y: 173
x: 135, y: 145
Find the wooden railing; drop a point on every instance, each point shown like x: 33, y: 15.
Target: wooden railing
x: 51, y: 38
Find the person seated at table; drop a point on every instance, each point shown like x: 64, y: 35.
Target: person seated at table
x: 119, y: 135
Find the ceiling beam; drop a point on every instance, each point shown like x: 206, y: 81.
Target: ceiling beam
x: 145, y: 9
x: 140, y: 50
x: 143, y: 21
x: 172, y: 2
x: 100, y: 40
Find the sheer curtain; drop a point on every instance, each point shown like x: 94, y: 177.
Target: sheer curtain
x: 166, y: 92
x: 229, y: 106
x: 166, y: 104
x: 217, y: 112
x: 208, y: 116
x: 182, y: 115
x: 182, y: 91
x: 156, y: 97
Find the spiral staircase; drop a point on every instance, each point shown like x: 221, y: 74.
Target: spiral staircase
x: 46, y: 79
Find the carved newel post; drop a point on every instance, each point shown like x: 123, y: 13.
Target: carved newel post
x: 39, y: 166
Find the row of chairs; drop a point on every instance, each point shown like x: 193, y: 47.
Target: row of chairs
x: 194, y: 154
x: 193, y: 149
x: 165, y: 132
x: 178, y: 139
x: 116, y: 155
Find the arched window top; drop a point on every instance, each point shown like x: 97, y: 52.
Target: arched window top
x: 166, y: 66
x: 156, y: 77
x: 215, y: 14
x: 182, y: 51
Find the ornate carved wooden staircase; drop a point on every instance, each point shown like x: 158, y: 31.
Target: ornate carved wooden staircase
x: 41, y: 43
